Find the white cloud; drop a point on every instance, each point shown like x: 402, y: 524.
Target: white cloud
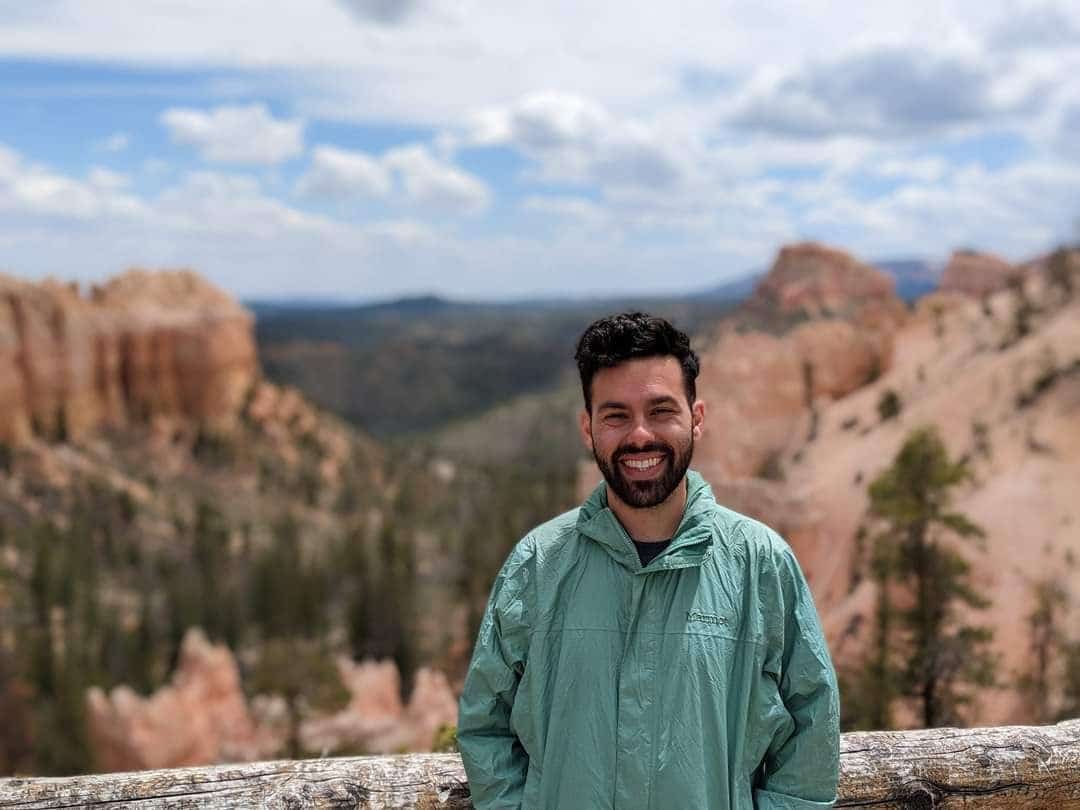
x: 248, y: 134
x: 340, y: 173
x: 575, y: 139
x: 1017, y: 211
x: 1040, y: 25
x: 1068, y: 135
x: 31, y: 190
x: 574, y: 215
x: 107, y: 179
x: 117, y: 142
x: 410, y: 174
x: 224, y: 225
x: 429, y: 181
x: 883, y: 91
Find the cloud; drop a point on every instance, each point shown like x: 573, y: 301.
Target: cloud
x: 882, y: 92
x: 236, y: 134
x: 234, y: 204
x: 384, y: 12
x: 1043, y: 26
x: 410, y: 174
x: 1068, y: 139
x: 431, y: 182
x: 29, y: 190
x: 574, y: 212
x: 117, y: 142
x: 339, y: 173
x: 576, y: 139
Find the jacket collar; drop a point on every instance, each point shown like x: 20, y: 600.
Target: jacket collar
x: 691, y: 544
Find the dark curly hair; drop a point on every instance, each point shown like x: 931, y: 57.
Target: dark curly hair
x: 609, y: 341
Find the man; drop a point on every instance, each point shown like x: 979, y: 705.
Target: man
x: 650, y: 649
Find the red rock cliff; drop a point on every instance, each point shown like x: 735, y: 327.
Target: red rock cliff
x: 819, y: 280
x: 977, y: 274
x: 142, y: 345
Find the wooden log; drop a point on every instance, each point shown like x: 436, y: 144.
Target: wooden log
x: 408, y: 781
x: 977, y: 769
x: 997, y: 768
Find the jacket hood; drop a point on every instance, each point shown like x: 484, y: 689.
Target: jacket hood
x: 690, y: 545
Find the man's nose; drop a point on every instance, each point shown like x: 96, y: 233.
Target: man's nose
x: 640, y: 433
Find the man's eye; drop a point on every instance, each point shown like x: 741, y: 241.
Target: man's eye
x: 614, y: 418
x: 664, y: 411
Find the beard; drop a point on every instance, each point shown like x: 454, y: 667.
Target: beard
x: 653, y: 492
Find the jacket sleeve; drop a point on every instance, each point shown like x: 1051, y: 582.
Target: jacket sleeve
x: 495, y: 761
x: 801, y: 767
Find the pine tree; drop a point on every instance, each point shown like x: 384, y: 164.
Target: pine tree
x: 925, y: 651
x: 1048, y: 641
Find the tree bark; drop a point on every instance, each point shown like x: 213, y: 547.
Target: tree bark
x: 1001, y: 768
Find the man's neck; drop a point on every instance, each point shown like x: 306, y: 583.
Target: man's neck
x: 652, y: 524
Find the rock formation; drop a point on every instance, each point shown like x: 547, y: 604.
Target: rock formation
x: 816, y: 280
x: 1009, y: 403
x: 977, y: 274
x: 767, y: 387
x: 201, y: 717
x: 375, y: 721
x: 140, y: 346
x: 794, y: 436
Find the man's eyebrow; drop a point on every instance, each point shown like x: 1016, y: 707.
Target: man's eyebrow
x: 611, y: 405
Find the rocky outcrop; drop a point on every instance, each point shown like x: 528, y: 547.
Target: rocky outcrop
x: 817, y: 280
x: 977, y: 274
x: 375, y: 720
x: 200, y: 718
x: 142, y: 345
x: 1010, y: 404
x: 768, y: 387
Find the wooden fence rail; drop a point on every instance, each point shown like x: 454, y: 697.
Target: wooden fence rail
x: 991, y: 768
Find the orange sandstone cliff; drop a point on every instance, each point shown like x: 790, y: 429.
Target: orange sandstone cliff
x: 142, y: 345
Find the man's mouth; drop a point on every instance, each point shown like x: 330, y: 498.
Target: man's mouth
x: 642, y: 463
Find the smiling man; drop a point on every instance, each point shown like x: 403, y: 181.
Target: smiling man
x: 650, y: 649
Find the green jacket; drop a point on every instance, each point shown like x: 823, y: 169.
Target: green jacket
x: 699, y: 681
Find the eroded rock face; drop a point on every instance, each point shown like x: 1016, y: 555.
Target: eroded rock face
x: 200, y: 718
x: 375, y: 721
x: 143, y: 345
x: 977, y: 274
x: 1011, y: 406
x: 818, y: 280
x: 762, y: 390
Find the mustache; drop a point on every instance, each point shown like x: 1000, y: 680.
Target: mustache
x: 651, y: 447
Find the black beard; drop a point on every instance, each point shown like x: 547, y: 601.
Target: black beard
x: 646, y: 494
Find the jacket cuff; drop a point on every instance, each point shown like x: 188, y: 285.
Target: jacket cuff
x: 767, y: 800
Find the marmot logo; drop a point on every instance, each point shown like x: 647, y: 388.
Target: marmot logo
x: 707, y: 618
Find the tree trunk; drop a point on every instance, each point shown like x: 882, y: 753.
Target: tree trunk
x: 1003, y: 768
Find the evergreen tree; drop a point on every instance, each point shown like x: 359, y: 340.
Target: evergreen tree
x: 925, y: 651
x: 1047, y: 642
x: 303, y: 672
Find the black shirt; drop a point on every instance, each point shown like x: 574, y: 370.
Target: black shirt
x: 647, y: 552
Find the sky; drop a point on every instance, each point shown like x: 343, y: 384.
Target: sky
x: 368, y: 149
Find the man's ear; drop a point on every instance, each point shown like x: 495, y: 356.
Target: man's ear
x: 585, y: 426
x: 697, y: 417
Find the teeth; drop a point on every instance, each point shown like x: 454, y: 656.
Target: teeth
x: 642, y: 465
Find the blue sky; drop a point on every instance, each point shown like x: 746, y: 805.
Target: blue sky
x: 364, y: 149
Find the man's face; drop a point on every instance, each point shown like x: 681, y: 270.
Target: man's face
x: 642, y: 430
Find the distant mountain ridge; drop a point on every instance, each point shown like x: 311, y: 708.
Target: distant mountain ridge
x: 914, y: 278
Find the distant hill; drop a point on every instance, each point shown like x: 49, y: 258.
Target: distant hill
x: 914, y: 277
x: 417, y: 364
